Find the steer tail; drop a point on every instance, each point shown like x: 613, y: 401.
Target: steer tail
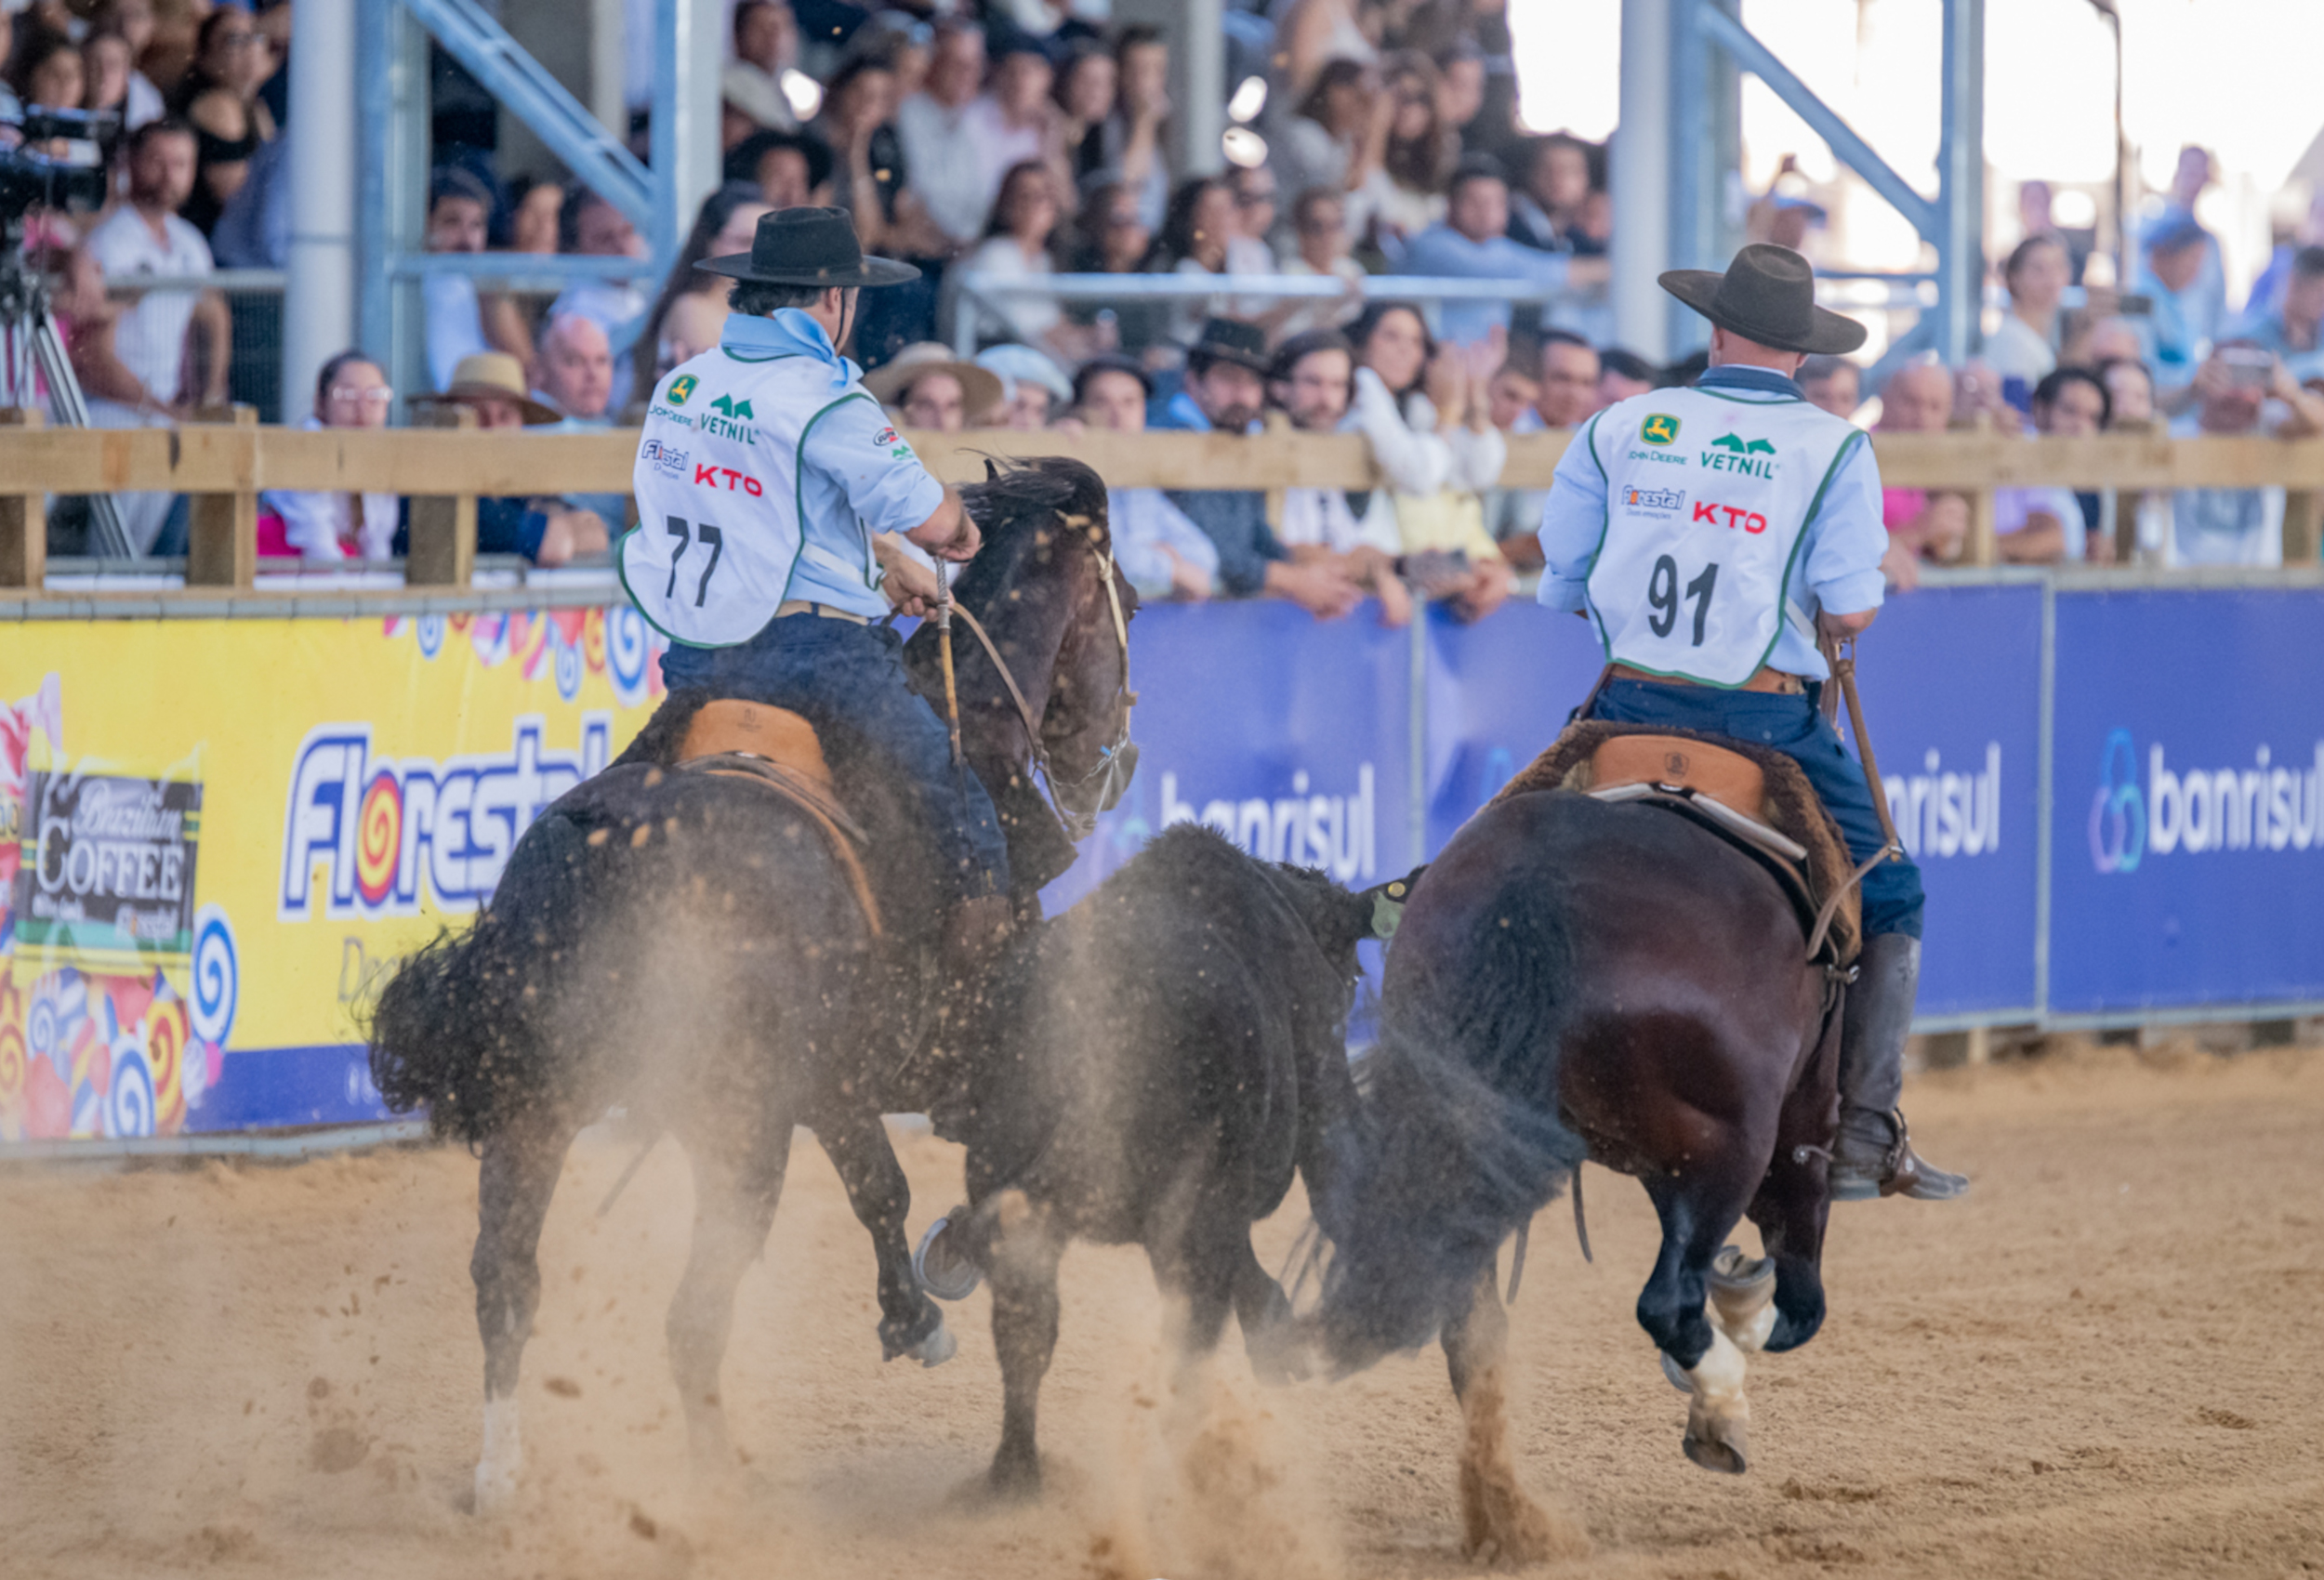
x: 1461, y: 1139
x: 461, y: 1027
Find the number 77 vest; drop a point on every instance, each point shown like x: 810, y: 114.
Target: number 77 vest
x: 1709, y: 495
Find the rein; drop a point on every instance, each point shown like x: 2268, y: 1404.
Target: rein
x: 1843, y: 672
x: 1078, y: 825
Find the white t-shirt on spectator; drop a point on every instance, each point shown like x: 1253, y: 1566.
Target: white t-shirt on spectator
x: 143, y: 104
x: 2017, y: 350
x: 150, y: 338
x: 455, y: 324
x: 2226, y: 526
x: 1323, y: 515
x: 999, y: 145
x: 1019, y: 318
x: 946, y: 165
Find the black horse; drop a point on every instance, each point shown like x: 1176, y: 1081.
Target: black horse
x: 1149, y: 1069
x: 1572, y: 979
x: 692, y: 946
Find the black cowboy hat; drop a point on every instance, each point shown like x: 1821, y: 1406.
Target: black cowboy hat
x: 1767, y: 294
x: 809, y: 247
x: 1231, y: 340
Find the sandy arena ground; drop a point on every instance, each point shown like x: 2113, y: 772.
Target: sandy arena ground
x: 2104, y: 1363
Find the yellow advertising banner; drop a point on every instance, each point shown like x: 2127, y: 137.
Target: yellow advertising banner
x: 215, y: 834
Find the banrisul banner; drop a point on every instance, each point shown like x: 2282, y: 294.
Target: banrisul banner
x: 1951, y: 680
x: 1290, y: 736
x: 2189, y: 802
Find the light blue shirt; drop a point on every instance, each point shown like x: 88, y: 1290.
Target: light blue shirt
x: 1444, y: 253
x: 856, y: 475
x: 1145, y: 522
x: 1838, y: 564
x: 2266, y: 329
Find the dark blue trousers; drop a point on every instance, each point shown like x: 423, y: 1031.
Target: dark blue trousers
x: 848, y: 681
x: 1893, y: 899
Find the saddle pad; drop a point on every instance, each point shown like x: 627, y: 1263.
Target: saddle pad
x: 1725, y: 776
x: 726, y: 724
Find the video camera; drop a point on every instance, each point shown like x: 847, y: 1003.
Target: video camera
x: 74, y: 180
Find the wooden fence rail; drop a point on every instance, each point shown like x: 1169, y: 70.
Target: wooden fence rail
x: 224, y: 463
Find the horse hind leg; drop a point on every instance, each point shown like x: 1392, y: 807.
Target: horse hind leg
x: 910, y: 1324
x: 738, y: 1181
x: 1269, y: 1339
x: 1704, y: 1324
x: 515, y: 1181
x: 1498, y: 1521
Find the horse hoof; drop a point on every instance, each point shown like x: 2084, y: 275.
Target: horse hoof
x: 938, y: 1263
x: 1675, y: 1373
x: 936, y: 1348
x: 1724, y: 1454
x: 496, y: 1490
x: 1731, y: 1270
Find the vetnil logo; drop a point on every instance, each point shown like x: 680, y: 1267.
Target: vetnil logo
x: 1732, y: 452
x: 2266, y: 807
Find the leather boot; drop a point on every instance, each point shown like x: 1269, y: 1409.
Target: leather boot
x: 1873, y: 1155
x: 973, y: 936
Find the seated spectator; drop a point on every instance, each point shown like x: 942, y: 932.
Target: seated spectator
x: 1088, y: 84
x: 545, y: 530
x: 1622, y: 374
x: 1512, y: 516
x: 1919, y: 398
x: 1437, y: 450
x: 1032, y: 388
x: 1320, y: 239
x: 1312, y: 380
x: 1247, y: 252
x: 132, y: 23
x: 2130, y: 408
x: 1111, y: 239
x: 2130, y: 393
x: 2240, y: 390
x: 1013, y: 120
x: 790, y: 169
x: 2069, y: 403
x: 750, y: 88
x: 1225, y: 392
x: 461, y: 321
x: 2102, y: 340
x: 1163, y: 553
x: 351, y: 391
x: 594, y: 228
x: 1552, y: 183
x: 219, y: 99
x: 574, y: 373
x: 48, y: 72
x: 108, y: 65
x: 1016, y: 246
x: 1473, y: 243
x: 686, y: 319
x: 1460, y: 80
x: 1403, y: 192
x: 537, y: 214
x: 926, y: 388
x: 2026, y: 346
x: 945, y: 159
x: 1834, y: 385
x: 1133, y: 134
x: 2290, y: 329
x: 1193, y: 241
x: 2180, y: 319
x: 1569, y: 380
x: 858, y: 125
x: 156, y: 360
x: 1327, y: 140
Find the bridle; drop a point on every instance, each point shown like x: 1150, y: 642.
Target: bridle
x: 1117, y: 760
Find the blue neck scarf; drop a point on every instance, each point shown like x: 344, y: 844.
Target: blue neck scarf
x: 789, y: 331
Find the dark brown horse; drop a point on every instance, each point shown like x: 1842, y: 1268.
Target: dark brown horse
x: 688, y: 945
x: 1576, y: 979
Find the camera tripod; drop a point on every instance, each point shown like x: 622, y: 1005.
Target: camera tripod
x: 31, y: 354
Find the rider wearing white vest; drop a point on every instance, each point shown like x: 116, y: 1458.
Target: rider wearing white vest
x: 775, y: 505
x: 1708, y: 534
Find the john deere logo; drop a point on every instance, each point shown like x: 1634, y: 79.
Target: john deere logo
x: 1659, y: 429
x: 738, y: 411
x: 1732, y: 452
x: 680, y: 387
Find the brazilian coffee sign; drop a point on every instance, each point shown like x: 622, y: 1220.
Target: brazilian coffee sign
x: 107, y: 864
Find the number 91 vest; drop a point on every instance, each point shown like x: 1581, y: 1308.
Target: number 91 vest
x: 1708, y: 497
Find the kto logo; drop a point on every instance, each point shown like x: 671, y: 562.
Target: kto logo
x: 1662, y: 428
x: 364, y: 832
x: 1749, y: 520
x: 1654, y: 498
x: 680, y: 388
x: 736, y: 481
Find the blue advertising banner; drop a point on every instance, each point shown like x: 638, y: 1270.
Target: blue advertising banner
x: 1291, y: 736
x: 2189, y: 767
x: 1951, y: 681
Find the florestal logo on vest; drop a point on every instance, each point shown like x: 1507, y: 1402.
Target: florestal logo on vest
x: 2265, y: 806
x: 1340, y: 834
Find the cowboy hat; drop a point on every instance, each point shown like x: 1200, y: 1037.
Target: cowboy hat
x: 493, y: 376
x: 1767, y: 296
x: 808, y: 246
x: 1231, y: 340
x: 979, y: 388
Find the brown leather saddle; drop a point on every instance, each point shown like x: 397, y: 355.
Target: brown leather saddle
x: 778, y: 749
x: 1755, y: 798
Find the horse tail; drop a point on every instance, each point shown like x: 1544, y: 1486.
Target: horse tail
x: 1460, y: 1138
x: 461, y: 1027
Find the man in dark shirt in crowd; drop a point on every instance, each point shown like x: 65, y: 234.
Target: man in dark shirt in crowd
x: 1225, y: 388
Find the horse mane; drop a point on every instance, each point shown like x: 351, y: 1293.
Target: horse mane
x: 1017, y: 506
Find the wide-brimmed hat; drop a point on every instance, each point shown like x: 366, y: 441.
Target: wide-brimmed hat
x: 809, y: 247
x: 1021, y: 364
x: 979, y: 388
x: 493, y: 376
x: 1232, y: 340
x: 1767, y: 294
